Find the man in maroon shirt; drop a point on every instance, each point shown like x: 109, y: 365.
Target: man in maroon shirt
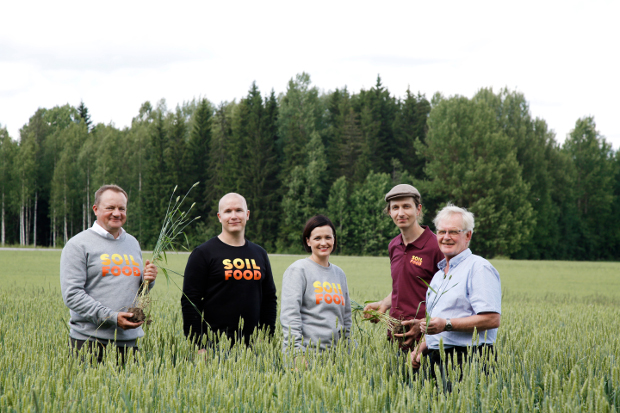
x: 414, y: 255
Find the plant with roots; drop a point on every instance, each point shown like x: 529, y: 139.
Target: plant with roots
x: 429, y: 308
x: 393, y: 325
x: 173, y: 226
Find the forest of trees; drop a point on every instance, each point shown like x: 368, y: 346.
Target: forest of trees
x: 306, y: 152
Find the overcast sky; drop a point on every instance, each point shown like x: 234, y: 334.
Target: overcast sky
x: 115, y: 55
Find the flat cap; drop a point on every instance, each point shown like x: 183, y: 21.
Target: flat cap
x: 400, y: 191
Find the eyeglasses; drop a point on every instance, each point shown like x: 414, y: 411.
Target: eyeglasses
x: 452, y: 232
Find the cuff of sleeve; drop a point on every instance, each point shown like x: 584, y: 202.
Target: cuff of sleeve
x: 113, y: 318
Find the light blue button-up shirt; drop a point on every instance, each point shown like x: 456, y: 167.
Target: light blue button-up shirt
x: 472, y: 286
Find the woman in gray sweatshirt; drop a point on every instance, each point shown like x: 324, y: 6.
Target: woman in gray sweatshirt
x: 316, y: 309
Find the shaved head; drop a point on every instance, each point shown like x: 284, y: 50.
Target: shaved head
x: 229, y: 196
x: 233, y: 214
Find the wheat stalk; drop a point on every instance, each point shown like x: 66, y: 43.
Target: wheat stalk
x: 173, y: 226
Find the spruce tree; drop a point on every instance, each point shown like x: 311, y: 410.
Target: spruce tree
x: 331, y: 133
x: 409, y: 126
x: 300, y: 115
x: 257, y: 169
x: 84, y: 115
x: 176, y: 150
x: 378, y: 110
x: 345, y: 137
x: 221, y: 169
x: 198, y: 158
x: 157, y: 188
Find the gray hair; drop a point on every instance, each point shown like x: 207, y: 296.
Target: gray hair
x: 449, y: 210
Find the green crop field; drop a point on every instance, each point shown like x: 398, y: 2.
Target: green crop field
x: 558, y: 350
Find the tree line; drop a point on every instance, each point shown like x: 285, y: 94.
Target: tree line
x: 306, y: 152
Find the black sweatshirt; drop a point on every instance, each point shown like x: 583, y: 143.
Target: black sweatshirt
x: 226, y: 283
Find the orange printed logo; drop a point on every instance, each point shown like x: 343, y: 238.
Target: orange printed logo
x: 239, y: 268
x: 125, y: 264
x: 328, y: 292
x: 416, y: 260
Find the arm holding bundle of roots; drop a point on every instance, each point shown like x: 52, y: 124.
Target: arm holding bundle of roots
x: 143, y: 301
x: 412, y: 331
x: 421, y: 325
x: 381, y: 306
x: 393, y: 325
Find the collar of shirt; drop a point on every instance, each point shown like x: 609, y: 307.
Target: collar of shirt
x: 420, y: 241
x: 454, y: 262
x: 99, y: 230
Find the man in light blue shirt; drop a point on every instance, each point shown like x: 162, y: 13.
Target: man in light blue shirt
x: 465, y: 294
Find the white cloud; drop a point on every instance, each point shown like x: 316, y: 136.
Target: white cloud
x: 116, y: 55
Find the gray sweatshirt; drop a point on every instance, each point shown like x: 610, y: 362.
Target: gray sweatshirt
x: 315, y: 305
x: 99, y: 277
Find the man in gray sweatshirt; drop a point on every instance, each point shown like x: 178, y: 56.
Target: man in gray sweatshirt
x: 101, y: 272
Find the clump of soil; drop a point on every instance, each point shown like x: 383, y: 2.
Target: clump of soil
x: 138, y: 315
x: 398, y: 328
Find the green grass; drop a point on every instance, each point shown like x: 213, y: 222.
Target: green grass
x: 558, y: 350
x: 370, y: 276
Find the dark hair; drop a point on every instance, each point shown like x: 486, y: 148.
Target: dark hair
x: 315, y: 222
x: 114, y: 188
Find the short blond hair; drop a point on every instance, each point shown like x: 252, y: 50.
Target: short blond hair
x: 219, y: 206
x: 114, y: 188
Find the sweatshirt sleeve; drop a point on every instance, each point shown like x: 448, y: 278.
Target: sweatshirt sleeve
x: 193, y: 295
x: 293, y: 288
x: 151, y: 284
x: 269, y: 304
x: 73, y: 276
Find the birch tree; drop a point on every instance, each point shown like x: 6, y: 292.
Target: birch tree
x: 8, y: 149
